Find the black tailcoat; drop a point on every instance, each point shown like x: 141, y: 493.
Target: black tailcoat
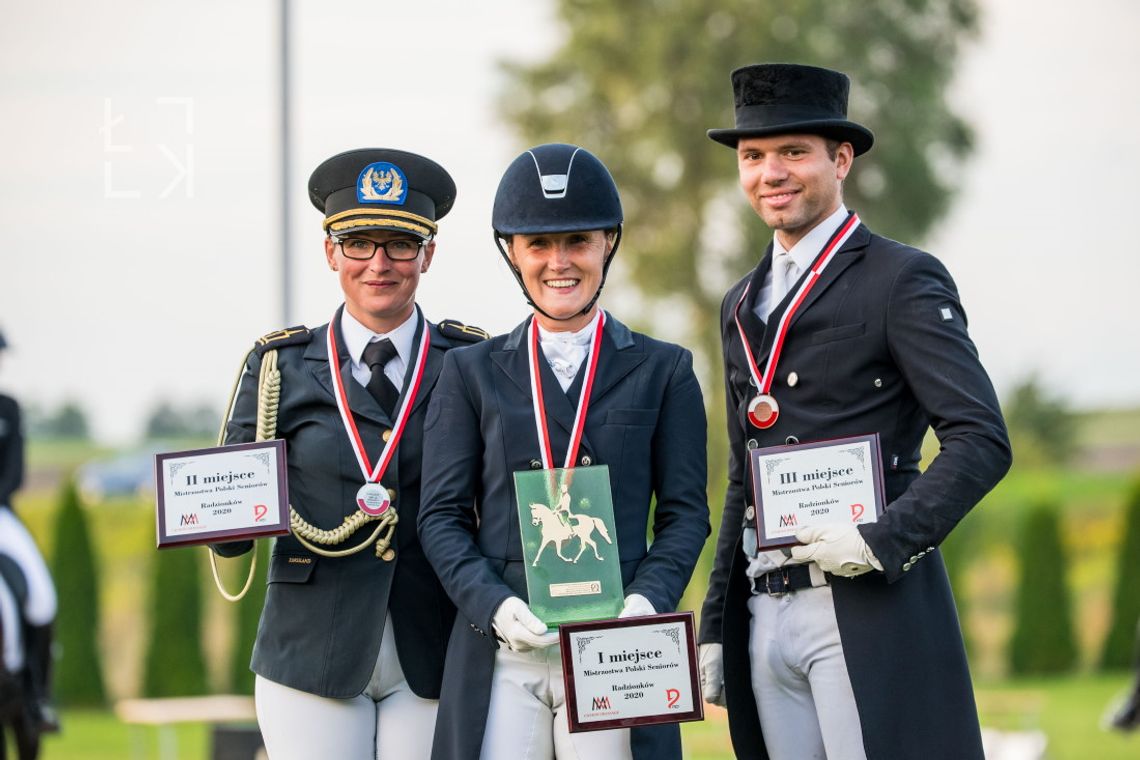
x: 646, y: 421
x: 11, y: 450
x: 323, y: 618
x: 880, y: 346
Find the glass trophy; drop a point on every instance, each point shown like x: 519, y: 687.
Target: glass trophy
x: 566, y: 520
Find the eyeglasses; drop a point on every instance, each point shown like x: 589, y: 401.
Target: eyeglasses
x: 400, y: 249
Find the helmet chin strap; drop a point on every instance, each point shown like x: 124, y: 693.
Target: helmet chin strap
x: 530, y: 300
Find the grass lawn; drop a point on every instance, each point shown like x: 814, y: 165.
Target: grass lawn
x: 1068, y: 710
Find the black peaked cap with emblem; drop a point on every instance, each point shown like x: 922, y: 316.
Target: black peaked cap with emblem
x: 791, y: 98
x: 381, y: 189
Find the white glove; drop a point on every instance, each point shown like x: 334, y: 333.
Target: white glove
x: 519, y: 629
x: 711, y: 662
x: 837, y: 549
x: 637, y: 605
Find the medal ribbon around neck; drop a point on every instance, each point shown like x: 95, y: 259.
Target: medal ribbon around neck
x: 583, y: 399
x: 377, y: 503
x: 763, y: 382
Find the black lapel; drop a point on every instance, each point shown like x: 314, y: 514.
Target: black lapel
x: 617, y: 359
x: 360, y: 401
x: 754, y: 327
x: 848, y: 254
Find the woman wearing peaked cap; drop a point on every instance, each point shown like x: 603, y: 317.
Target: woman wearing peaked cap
x: 558, y: 212
x: 349, y: 651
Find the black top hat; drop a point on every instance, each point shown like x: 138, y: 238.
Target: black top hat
x: 381, y: 189
x: 789, y: 98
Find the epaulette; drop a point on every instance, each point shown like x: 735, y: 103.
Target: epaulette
x: 290, y: 336
x: 449, y: 328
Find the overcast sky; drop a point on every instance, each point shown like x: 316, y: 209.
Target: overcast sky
x: 140, y: 187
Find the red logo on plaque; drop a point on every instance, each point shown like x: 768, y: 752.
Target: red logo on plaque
x: 672, y: 696
x: 856, y: 512
x: 259, y: 512
x: 191, y: 519
x: 601, y: 703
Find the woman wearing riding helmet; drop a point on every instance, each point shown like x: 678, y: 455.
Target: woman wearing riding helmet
x: 557, y: 221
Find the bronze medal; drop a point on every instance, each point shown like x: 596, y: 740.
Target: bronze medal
x: 763, y: 411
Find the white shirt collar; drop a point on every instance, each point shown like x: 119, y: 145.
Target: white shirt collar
x: 809, y: 246
x: 357, y: 337
x: 565, y: 351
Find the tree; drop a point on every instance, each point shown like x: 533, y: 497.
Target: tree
x: 1043, y: 637
x: 248, y: 615
x: 68, y: 421
x: 166, y: 420
x: 1120, y: 643
x: 1042, y: 427
x: 643, y: 101
x: 174, y: 664
x: 79, y: 671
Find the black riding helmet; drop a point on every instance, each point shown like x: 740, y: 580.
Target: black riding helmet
x: 556, y: 188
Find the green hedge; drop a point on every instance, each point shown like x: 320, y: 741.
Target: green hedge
x: 79, y: 669
x: 1043, y: 637
x: 174, y: 665
x: 1120, y: 643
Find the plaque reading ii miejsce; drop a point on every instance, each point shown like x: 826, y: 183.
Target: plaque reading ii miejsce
x: 566, y: 520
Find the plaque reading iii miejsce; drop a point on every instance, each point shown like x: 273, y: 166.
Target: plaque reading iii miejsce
x: 566, y: 520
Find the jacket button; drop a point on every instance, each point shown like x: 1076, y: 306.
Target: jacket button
x: 534, y: 465
x: 791, y: 440
x: 750, y: 513
x: 386, y: 435
x: 793, y: 378
x: 878, y: 382
x: 752, y: 443
x: 586, y: 461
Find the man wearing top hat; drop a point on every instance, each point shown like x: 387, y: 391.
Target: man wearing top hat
x: 350, y: 647
x: 846, y: 646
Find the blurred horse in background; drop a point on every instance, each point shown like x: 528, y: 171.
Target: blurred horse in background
x: 18, y: 714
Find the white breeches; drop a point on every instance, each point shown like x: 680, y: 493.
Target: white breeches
x: 527, y: 715
x: 387, y: 722
x: 17, y: 543
x: 13, y: 634
x: 800, y: 680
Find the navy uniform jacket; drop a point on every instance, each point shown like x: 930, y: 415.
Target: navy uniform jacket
x: 11, y: 450
x: 880, y: 345
x: 646, y: 421
x: 323, y: 618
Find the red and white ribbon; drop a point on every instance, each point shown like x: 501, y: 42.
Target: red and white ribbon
x: 583, y: 400
x: 763, y: 381
x: 373, y: 474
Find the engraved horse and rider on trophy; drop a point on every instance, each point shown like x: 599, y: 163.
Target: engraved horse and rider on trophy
x: 559, y: 524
